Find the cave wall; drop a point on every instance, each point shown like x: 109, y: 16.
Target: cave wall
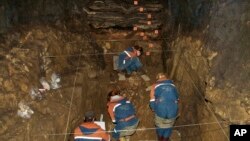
x: 217, y: 61
x: 211, y: 64
x: 67, y: 14
x: 34, y: 52
x: 189, y: 14
x: 16, y: 12
x: 192, y: 68
x: 37, y: 39
x: 228, y: 79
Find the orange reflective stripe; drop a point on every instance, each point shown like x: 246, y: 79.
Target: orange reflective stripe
x: 128, y: 118
x: 90, y: 125
x: 110, y: 110
x: 99, y: 134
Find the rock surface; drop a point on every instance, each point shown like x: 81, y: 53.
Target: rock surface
x: 38, y: 52
x: 212, y: 70
x: 210, y: 67
x: 109, y: 13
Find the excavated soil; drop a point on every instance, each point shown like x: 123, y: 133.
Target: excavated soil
x: 209, y: 66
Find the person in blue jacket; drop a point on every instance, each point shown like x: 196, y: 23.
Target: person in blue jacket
x: 122, y: 113
x: 164, y: 103
x: 128, y: 60
x: 89, y: 130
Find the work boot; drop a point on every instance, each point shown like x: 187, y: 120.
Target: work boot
x: 160, y: 138
x: 165, y: 139
x: 127, y: 75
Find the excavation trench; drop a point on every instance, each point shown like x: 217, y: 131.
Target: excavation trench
x: 201, y: 45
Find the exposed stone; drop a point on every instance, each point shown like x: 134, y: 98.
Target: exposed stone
x: 9, y: 85
x: 1, y: 81
x: 248, y: 23
x: 175, y: 136
x: 38, y: 34
x: 134, y: 81
x: 224, y: 26
x: 121, y: 77
x: 248, y: 111
x: 105, y: 14
x: 24, y: 87
x: 92, y: 74
x: 107, y: 45
x: 145, y: 77
x: 4, y: 72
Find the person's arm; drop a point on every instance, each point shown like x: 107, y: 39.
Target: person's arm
x: 106, y: 137
x: 133, y: 54
x: 111, y: 113
x: 152, y: 97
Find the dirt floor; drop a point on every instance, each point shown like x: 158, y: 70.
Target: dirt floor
x: 210, y: 67
x: 134, y: 88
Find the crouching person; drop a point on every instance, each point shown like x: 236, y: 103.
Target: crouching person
x: 164, y: 103
x: 122, y: 113
x: 90, y: 131
x: 128, y: 60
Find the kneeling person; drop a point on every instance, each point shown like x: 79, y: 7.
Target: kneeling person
x: 90, y: 131
x: 128, y: 60
x: 122, y: 113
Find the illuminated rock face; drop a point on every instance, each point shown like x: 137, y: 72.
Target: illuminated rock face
x: 215, y: 63
x: 209, y: 62
x: 230, y: 67
x: 110, y: 13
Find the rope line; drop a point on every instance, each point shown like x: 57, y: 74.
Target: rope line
x: 217, y: 121
x: 188, y: 136
x: 143, y: 129
x: 124, y: 39
x: 72, y: 96
x: 109, y: 53
x: 83, y: 54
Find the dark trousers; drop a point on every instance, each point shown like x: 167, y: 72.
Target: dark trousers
x: 162, y: 139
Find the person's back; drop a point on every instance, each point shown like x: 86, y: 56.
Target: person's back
x: 122, y: 113
x: 90, y: 131
x: 166, y: 97
x: 164, y: 103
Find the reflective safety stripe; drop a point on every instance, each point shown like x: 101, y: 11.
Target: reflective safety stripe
x: 127, y: 118
x: 119, y: 105
x: 158, y: 85
x: 124, y: 61
x: 90, y: 138
x: 116, y: 107
x: 127, y: 53
x: 152, y: 100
